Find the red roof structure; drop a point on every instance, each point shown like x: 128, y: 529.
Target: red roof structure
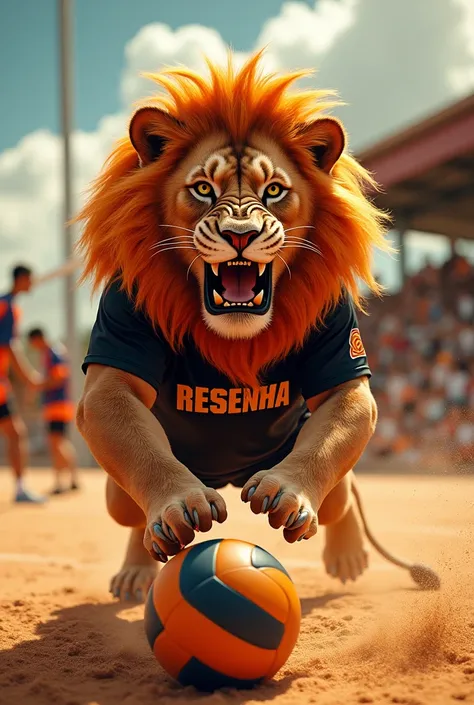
x: 426, y: 173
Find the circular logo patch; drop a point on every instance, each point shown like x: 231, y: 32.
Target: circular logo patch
x: 356, y: 346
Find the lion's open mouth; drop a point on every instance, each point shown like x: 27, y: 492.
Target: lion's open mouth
x: 236, y: 286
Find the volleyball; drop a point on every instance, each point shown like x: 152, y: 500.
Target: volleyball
x: 222, y: 613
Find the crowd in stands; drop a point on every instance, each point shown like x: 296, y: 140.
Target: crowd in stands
x: 420, y: 344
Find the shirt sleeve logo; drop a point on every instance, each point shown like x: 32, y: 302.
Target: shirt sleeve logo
x: 356, y: 346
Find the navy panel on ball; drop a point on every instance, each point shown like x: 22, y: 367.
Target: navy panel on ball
x: 153, y: 624
x: 222, y: 604
x: 205, y: 678
x: 263, y: 559
x: 199, y: 565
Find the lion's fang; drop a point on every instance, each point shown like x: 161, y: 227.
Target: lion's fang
x: 258, y: 299
x: 217, y: 298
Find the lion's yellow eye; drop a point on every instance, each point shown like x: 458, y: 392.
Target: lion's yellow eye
x: 275, y: 191
x: 203, y: 190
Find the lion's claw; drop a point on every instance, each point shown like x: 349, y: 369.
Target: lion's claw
x: 287, y: 503
x: 161, y: 556
x: 172, y: 522
x: 158, y: 531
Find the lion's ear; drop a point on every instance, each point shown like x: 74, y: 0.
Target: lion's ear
x: 150, y: 129
x: 326, y: 140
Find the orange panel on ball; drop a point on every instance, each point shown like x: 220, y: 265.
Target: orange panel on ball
x: 293, y: 620
x: 215, y: 647
x: 287, y: 585
x: 260, y: 589
x: 166, y: 592
x: 169, y: 654
x: 287, y: 644
x: 233, y: 554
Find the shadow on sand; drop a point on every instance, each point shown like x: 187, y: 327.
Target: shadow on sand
x: 89, y: 653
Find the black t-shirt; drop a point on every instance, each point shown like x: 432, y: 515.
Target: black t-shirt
x: 220, y: 432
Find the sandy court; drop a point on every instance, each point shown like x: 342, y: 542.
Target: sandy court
x: 64, y: 640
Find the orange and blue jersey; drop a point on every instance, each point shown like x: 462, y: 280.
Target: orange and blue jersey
x: 9, y: 314
x: 57, y: 405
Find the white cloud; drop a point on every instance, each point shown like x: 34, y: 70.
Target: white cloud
x: 300, y: 35
x: 157, y: 45
x: 462, y: 76
x: 391, y: 61
x: 31, y: 211
x: 396, y: 63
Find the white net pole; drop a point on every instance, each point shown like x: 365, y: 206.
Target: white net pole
x: 65, y: 13
x: 65, y: 17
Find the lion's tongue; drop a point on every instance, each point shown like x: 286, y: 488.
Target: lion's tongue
x: 238, y: 282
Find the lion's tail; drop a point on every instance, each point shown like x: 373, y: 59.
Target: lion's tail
x: 424, y: 576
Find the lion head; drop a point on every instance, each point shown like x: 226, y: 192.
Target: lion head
x: 234, y: 214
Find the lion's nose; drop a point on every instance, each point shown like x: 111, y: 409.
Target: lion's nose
x: 239, y: 240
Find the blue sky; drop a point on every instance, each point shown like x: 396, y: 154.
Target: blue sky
x: 29, y: 51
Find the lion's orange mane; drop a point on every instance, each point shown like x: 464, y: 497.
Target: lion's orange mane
x: 122, y: 216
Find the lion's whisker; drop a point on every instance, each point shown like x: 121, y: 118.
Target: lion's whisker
x: 301, y: 240
x: 303, y: 247
x: 178, y: 227
x: 189, y: 268
x: 294, y: 238
x: 298, y: 227
x: 305, y: 240
x: 178, y: 238
x: 285, y: 263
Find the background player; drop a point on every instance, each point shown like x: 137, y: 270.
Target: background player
x: 58, y: 409
x: 12, y: 357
